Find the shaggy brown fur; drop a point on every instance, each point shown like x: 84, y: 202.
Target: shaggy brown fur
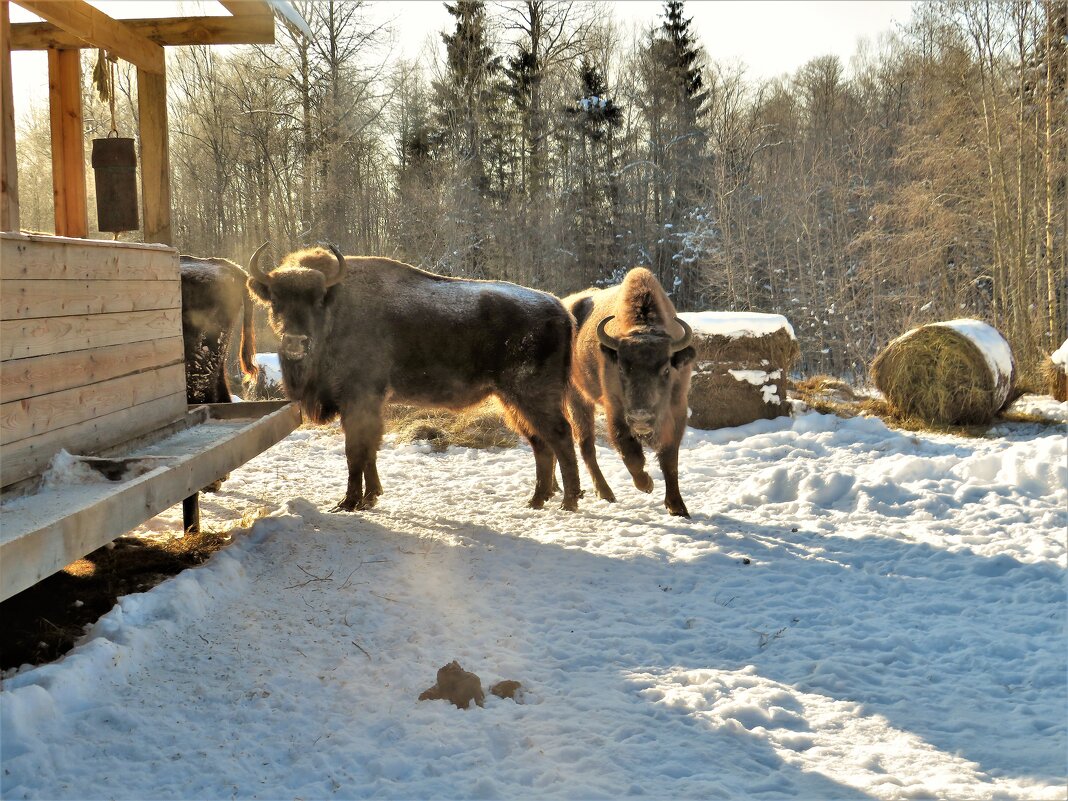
x: 214, y: 295
x: 642, y: 383
x: 365, y: 330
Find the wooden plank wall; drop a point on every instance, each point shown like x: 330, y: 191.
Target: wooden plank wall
x: 90, y: 346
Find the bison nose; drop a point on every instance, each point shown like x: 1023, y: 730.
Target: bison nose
x: 640, y: 422
x: 294, y: 346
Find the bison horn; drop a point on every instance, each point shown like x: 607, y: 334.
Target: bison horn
x: 254, y: 265
x: 687, y: 337
x: 607, y: 339
x: 333, y: 279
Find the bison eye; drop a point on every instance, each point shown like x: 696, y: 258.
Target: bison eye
x: 666, y: 371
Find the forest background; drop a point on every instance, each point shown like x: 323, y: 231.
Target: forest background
x: 923, y: 181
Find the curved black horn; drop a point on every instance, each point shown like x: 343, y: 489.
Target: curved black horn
x: 333, y: 279
x: 254, y: 265
x: 607, y: 339
x: 687, y: 337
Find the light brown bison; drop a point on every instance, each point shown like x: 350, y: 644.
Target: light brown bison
x: 357, y: 331
x: 214, y: 296
x: 632, y: 357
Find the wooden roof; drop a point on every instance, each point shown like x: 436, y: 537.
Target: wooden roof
x: 70, y: 25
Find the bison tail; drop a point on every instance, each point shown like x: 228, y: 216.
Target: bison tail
x: 248, y: 338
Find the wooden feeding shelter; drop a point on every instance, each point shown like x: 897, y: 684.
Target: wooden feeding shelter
x: 91, y: 355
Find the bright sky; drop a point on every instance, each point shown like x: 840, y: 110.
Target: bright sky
x: 770, y: 36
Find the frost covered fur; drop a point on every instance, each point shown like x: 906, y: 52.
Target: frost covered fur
x: 720, y: 398
x: 940, y: 376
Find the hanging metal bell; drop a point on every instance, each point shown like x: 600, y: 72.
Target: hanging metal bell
x: 115, y: 171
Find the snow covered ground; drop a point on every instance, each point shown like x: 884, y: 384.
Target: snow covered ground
x: 853, y: 612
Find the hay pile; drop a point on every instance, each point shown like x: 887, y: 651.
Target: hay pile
x: 480, y: 426
x: 959, y: 372
x: 1055, y: 373
x: 743, y: 360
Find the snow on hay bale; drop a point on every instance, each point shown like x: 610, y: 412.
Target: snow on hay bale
x: 958, y: 372
x: 743, y: 359
x: 1055, y: 373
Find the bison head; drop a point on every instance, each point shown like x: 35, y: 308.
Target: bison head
x: 296, y: 295
x: 647, y: 361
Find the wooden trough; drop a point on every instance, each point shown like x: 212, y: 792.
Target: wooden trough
x: 743, y: 363
x: 91, y: 362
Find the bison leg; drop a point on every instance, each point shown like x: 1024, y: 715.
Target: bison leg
x: 362, y: 424
x: 543, y: 464
x: 630, y: 449
x: 372, y: 487
x: 581, y: 413
x: 668, y: 457
x: 541, y: 420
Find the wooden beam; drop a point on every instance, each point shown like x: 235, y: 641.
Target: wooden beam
x: 100, y: 30
x: 177, y: 31
x: 68, y: 145
x: 155, y: 157
x: 9, y: 174
x: 246, y: 8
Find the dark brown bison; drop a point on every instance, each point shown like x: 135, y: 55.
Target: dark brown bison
x: 357, y: 331
x: 633, y: 357
x: 214, y: 296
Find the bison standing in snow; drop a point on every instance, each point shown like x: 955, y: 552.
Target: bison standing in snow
x: 214, y: 296
x: 640, y: 374
x: 358, y: 331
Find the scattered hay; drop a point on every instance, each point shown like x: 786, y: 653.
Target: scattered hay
x: 739, y: 379
x: 480, y: 426
x: 455, y: 685
x: 940, y: 376
x: 827, y: 395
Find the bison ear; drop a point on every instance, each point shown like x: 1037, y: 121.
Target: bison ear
x: 609, y: 353
x: 259, y: 290
x: 683, y: 357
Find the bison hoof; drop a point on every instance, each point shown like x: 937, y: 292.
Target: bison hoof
x: 368, y: 502
x: 677, y: 509
x: 346, y: 505
x: 644, y: 482
x: 569, y: 504
x: 605, y: 494
x: 537, y: 502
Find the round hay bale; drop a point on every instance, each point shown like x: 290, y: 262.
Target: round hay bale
x: 1055, y: 373
x: 740, y: 375
x: 959, y: 372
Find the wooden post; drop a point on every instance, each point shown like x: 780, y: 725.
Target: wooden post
x: 155, y: 156
x: 68, y: 146
x: 156, y: 198
x: 9, y: 174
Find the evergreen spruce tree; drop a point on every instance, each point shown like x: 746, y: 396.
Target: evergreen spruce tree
x: 467, y: 105
x: 595, y: 117
x: 675, y: 111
